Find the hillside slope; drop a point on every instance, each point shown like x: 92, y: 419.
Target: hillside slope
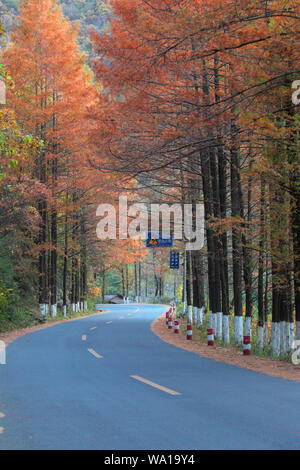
x: 92, y: 14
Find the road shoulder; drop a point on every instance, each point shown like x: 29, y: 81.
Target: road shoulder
x: 227, y: 354
x: 10, y: 336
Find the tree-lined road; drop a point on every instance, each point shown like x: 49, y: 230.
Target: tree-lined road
x: 107, y: 382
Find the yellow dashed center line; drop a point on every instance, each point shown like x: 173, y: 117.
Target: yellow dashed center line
x: 1, y: 429
x: 2, y: 415
x: 93, y: 328
x: 153, y: 384
x: 83, y: 337
x: 135, y: 311
x: 95, y: 354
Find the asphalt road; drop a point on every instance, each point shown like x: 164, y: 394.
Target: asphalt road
x: 94, y: 384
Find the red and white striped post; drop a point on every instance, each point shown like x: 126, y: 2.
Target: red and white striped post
x: 167, y: 317
x: 170, y: 324
x: 247, y: 345
x: 210, y: 337
x: 189, y: 332
x: 176, y: 326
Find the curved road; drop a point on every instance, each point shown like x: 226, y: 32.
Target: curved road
x: 94, y: 383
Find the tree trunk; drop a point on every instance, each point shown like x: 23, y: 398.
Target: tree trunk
x: 236, y: 242
x: 189, y: 285
x: 83, y: 264
x: 295, y: 187
x: 224, y: 254
x: 103, y: 286
x: 65, y: 267
x: 247, y: 259
x: 208, y: 206
x: 198, y: 286
x: 217, y: 246
x: 123, y: 282
x: 135, y: 281
x: 42, y: 239
x: 140, y: 281
x: 260, y: 282
x: 53, y: 254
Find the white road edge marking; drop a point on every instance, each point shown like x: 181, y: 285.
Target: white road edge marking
x: 95, y: 354
x: 153, y: 384
x: 83, y: 337
x: 108, y: 322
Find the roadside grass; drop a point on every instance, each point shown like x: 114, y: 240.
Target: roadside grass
x: 158, y: 300
x: 27, y: 316
x: 70, y: 315
x: 14, y: 318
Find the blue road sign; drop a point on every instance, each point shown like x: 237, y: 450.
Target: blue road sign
x: 154, y: 242
x: 174, y: 260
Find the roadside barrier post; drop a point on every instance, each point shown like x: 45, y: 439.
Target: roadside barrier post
x: 247, y: 345
x: 210, y: 337
x: 189, y: 332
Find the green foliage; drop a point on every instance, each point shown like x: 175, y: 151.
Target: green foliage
x: 16, y: 220
x: 112, y: 283
x: 8, y: 289
x: 15, y: 291
x: 160, y: 300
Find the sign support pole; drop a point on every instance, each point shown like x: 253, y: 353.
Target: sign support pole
x: 184, y: 281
